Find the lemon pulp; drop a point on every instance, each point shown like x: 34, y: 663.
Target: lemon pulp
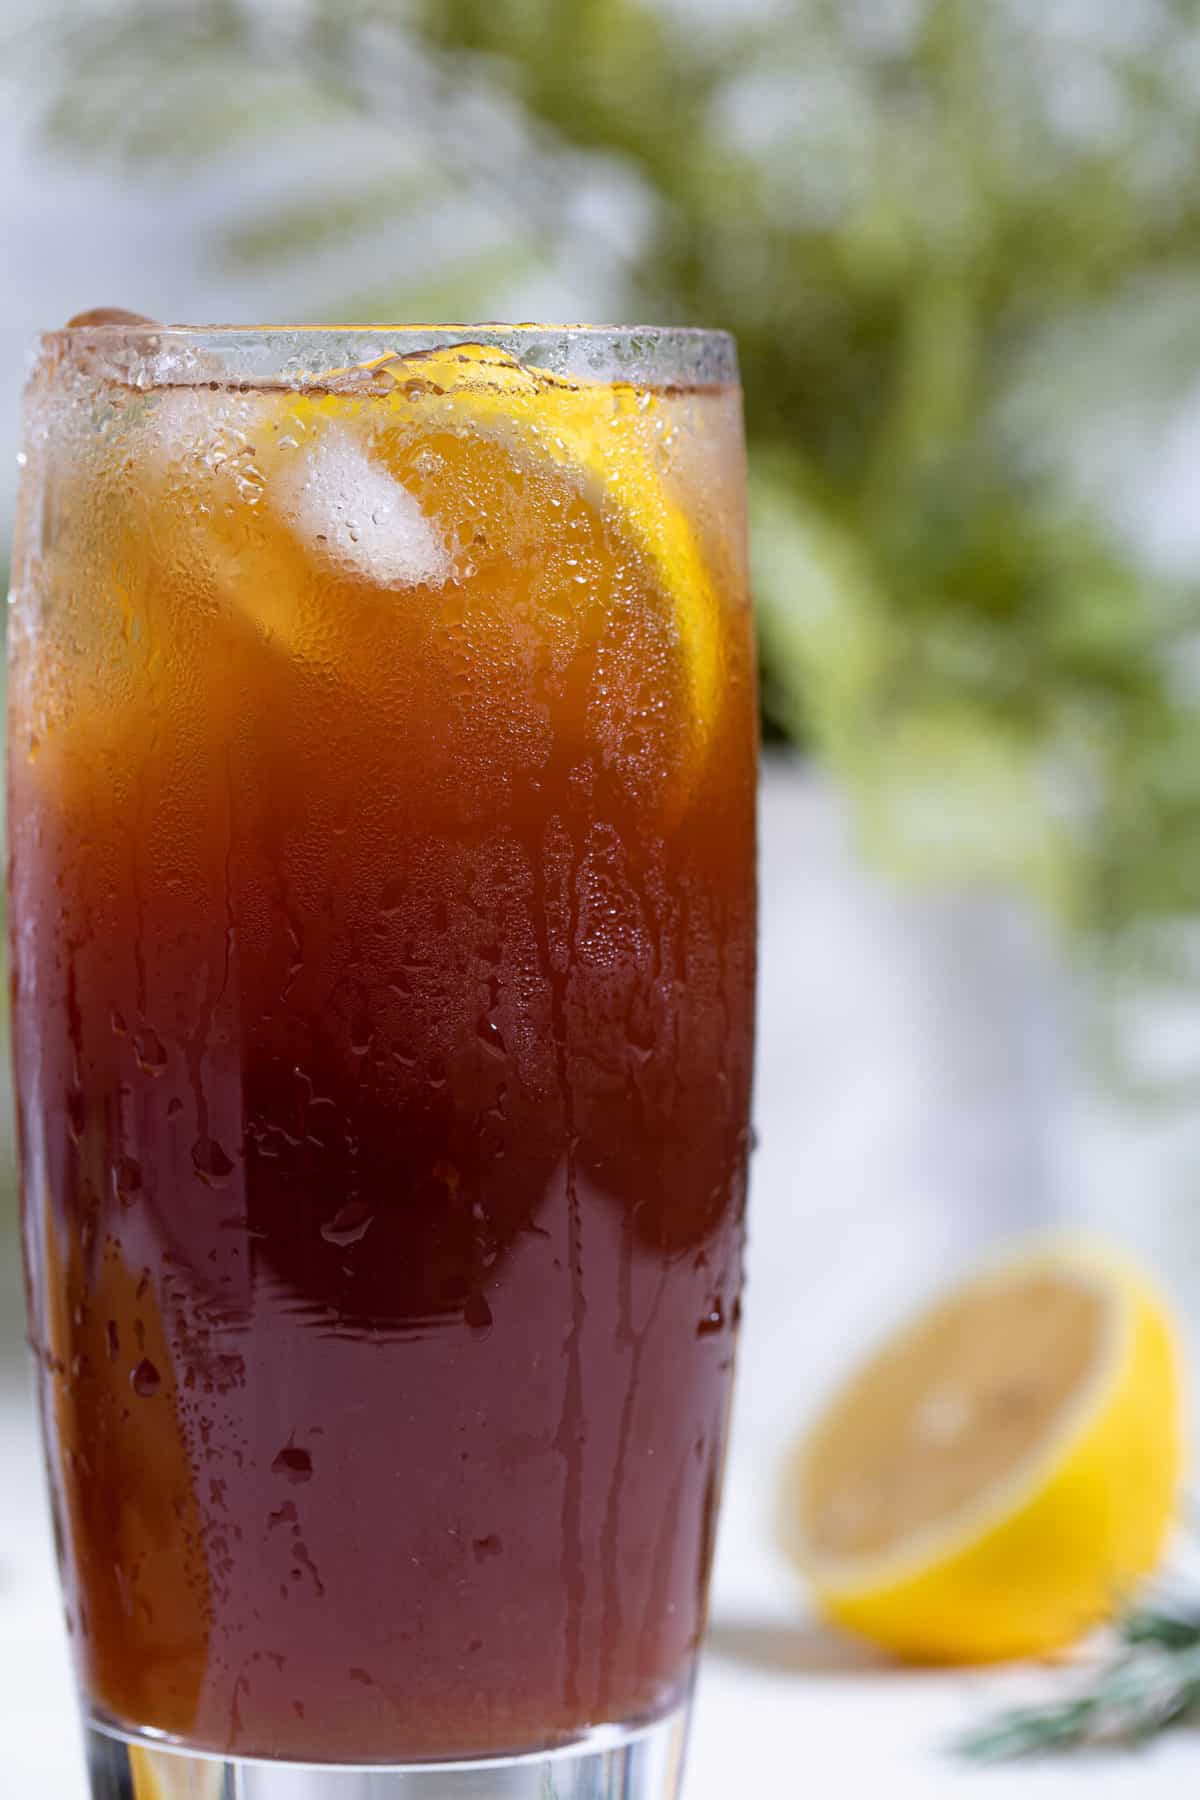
x: 1003, y: 1470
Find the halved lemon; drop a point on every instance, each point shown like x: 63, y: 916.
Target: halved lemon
x: 1003, y: 1470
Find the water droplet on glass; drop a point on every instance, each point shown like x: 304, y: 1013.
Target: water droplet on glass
x: 293, y: 1462
x: 174, y: 1107
x: 117, y: 1021
x: 477, y: 1312
x: 487, y: 1546
x: 145, y: 1379
x: 349, y: 1226
x: 76, y: 1114
x: 127, y: 1178
x: 114, y: 1341
x: 210, y: 1161
x: 150, y: 1052
x: 713, y: 1320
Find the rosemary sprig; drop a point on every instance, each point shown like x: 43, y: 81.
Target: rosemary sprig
x: 1151, y: 1682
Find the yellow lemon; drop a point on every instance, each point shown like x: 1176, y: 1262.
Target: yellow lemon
x: 1003, y: 1469
x: 387, y: 469
x: 458, y: 432
x: 606, y: 434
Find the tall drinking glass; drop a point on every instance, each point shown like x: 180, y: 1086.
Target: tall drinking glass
x: 382, y: 745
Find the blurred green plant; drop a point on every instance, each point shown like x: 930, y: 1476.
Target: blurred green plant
x: 1147, y: 1684
x: 958, y: 244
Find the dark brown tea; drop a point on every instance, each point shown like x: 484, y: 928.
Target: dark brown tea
x: 382, y: 763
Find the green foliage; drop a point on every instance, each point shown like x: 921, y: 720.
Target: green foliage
x: 1151, y: 1683
x: 953, y: 239
x: 335, y: 219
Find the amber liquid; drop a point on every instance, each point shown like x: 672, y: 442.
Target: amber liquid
x: 383, y: 1004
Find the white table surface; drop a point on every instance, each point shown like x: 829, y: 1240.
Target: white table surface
x: 895, y: 1145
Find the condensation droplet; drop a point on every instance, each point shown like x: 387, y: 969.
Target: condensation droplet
x: 210, y: 1161
x: 348, y: 1226
x: 150, y: 1052
x: 477, y: 1312
x: 127, y: 1178
x: 293, y: 1462
x: 392, y: 898
x: 145, y: 1379
x: 76, y: 1114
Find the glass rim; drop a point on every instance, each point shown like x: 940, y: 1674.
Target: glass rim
x: 147, y: 353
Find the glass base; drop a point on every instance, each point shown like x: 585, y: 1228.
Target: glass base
x: 646, y: 1764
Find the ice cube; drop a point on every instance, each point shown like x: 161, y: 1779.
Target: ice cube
x: 350, y: 510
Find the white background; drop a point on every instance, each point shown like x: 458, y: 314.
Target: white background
x: 916, y: 1102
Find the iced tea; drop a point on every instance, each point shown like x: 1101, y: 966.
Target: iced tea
x: 382, y: 750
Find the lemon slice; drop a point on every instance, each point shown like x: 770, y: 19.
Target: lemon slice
x: 603, y: 433
x: 467, y: 412
x: 285, y: 508
x: 1000, y: 1473
x: 607, y: 434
